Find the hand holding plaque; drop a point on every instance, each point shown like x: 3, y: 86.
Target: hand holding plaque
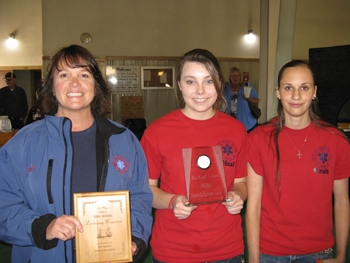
x: 204, y: 175
x: 107, y: 230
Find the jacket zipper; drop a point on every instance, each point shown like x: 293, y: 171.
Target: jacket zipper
x: 64, y: 182
x: 48, y: 181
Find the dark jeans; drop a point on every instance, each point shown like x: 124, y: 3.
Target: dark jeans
x: 237, y: 259
x: 311, y: 258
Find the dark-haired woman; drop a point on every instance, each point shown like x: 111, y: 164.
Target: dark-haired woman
x: 295, y: 163
x: 73, y: 150
x: 209, y: 232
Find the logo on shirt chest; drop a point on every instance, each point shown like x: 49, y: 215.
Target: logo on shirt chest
x: 120, y: 164
x: 322, y: 158
x: 30, y: 169
x: 229, y: 152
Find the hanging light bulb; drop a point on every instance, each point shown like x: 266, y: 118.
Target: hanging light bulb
x: 11, y: 42
x: 250, y: 37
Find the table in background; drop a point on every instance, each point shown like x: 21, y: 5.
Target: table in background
x: 5, y: 136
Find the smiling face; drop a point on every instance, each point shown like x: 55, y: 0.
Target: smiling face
x: 74, y: 89
x: 198, y: 91
x: 296, y: 91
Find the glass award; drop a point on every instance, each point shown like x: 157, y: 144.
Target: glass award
x: 204, y: 175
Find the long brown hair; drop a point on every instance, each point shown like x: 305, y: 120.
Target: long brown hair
x: 74, y: 56
x: 210, y: 62
x: 278, y: 126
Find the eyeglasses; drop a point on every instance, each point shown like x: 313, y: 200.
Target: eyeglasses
x: 235, y: 75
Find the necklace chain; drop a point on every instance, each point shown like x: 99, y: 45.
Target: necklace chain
x: 299, y: 154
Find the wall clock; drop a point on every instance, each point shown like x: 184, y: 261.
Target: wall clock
x: 85, y: 38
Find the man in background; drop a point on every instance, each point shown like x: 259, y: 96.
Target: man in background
x: 13, y: 101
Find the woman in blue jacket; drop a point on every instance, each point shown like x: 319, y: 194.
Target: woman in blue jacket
x: 75, y: 150
x: 237, y: 102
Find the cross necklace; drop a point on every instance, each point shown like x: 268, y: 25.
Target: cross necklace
x: 299, y: 154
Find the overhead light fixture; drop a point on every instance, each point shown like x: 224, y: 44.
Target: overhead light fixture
x: 250, y: 37
x: 11, y: 42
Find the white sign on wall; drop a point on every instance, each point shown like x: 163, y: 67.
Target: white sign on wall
x: 123, y: 79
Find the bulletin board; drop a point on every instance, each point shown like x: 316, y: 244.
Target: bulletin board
x: 132, y: 107
x: 157, y: 77
x: 123, y: 79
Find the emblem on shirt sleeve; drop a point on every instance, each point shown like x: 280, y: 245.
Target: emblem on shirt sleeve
x: 229, y: 152
x: 322, y: 158
x: 120, y: 164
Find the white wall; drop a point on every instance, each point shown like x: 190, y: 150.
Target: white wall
x: 159, y: 27
x: 25, y: 17
x: 152, y: 27
x: 320, y: 23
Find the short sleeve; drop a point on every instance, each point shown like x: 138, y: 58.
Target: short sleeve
x: 254, y: 93
x: 254, y: 154
x: 149, y: 143
x: 342, y: 162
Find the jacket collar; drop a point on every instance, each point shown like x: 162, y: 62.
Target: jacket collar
x: 106, y: 126
x: 54, y: 126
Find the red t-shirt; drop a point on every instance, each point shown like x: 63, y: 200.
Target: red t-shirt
x: 210, y: 233
x: 298, y: 219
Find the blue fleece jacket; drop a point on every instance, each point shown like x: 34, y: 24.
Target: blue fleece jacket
x: 35, y: 179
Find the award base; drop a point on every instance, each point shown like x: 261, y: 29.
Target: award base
x: 218, y: 201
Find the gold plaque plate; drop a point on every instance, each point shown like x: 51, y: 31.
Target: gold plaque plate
x: 107, y: 229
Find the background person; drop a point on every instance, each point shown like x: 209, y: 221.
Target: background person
x: 13, y: 101
x: 74, y: 150
x: 237, y: 103
x: 210, y: 232
x: 296, y: 162
x: 34, y: 114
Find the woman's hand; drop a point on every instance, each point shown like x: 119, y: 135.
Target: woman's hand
x: 250, y: 100
x: 181, y: 211
x: 250, y: 96
x: 63, y: 228
x: 134, y: 248
x: 235, y: 206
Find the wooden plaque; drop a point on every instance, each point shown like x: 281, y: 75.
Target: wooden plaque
x: 107, y: 229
